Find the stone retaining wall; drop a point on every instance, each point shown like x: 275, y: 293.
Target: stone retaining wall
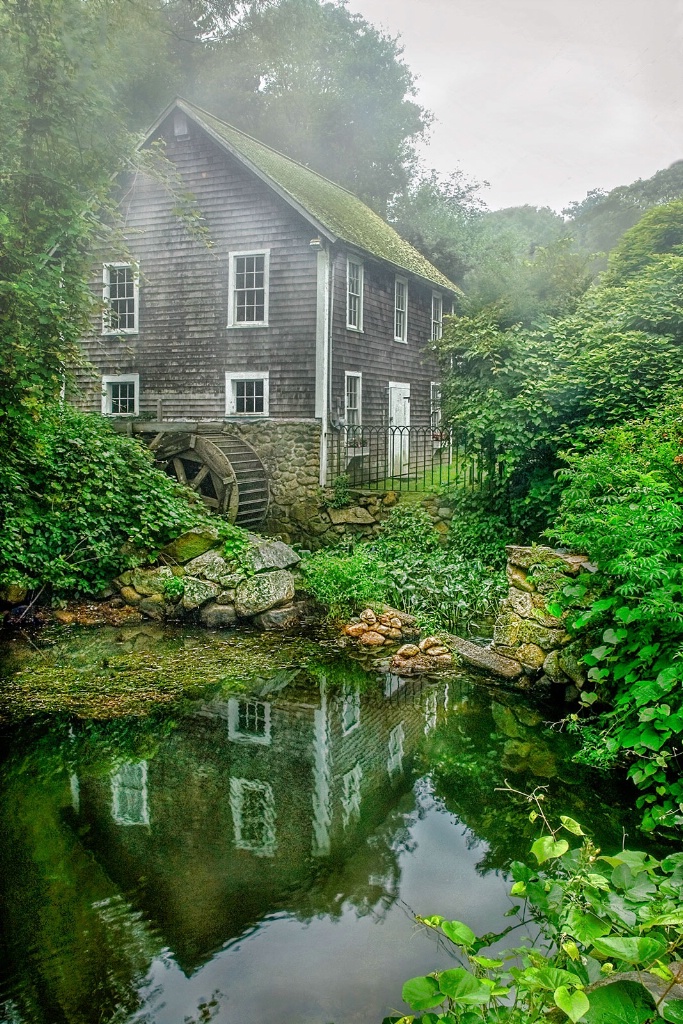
x: 525, y: 632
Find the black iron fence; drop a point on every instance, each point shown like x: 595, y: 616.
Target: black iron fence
x: 407, y: 459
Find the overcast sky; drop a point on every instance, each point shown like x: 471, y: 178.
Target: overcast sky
x: 545, y: 99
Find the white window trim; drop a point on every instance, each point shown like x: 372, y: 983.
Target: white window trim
x: 234, y: 733
x: 117, y: 804
x: 250, y: 324
x: 433, y: 407
x: 230, y: 403
x: 439, y: 296
x: 361, y: 268
x: 106, y: 267
x: 401, y: 281
x: 238, y: 788
x: 125, y: 378
x: 359, y: 378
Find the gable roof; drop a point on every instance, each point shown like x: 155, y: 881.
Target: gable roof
x: 334, y: 211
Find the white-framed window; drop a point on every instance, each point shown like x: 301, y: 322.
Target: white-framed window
x: 395, y: 747
x: 354, y: 295
x: 435, y: 405
x: 253, y: 816
x: 351, y: 795
x: 248, y: 288
x: 353, y: 403
x: 437, y: 316
x: 400, y: 309
x: 129, y: 804
x: 121, y: 395
x: 350, y: 712
x: 249, y: 721
x: 120, y: 291
x: 247, y: 394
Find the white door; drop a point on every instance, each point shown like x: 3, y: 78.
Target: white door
x: 399, y: 416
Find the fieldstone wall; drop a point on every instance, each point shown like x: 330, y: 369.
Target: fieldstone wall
x: 525, y: 631
x: 194, y: 581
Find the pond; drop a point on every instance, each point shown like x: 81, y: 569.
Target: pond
x: 254, y: 849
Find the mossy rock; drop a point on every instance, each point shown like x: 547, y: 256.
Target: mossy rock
x: 191, y: 544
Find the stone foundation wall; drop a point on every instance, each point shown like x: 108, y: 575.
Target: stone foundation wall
x: 525, y: 632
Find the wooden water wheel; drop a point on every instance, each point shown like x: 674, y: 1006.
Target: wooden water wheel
x: 222, y: 469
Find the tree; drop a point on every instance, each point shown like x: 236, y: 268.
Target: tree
x: 324, y: 86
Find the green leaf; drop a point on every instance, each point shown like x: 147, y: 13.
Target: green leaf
x: 458, y: 933
x: 571, y: 825
x: 486, y: 962
x: 546, y: 847
x: 620, y: 1003
x: 574, y: 1004
x: 462, y: 987
x: 585, y: 927
x: 632, y: 950
x: 422, y: 993
x: 664, y: 920
x: 673, y: 1011
x: 552, y: 978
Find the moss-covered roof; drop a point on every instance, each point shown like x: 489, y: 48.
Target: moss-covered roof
x: 335, y: 209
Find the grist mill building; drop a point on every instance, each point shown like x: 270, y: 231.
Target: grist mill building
x: 305, y: 319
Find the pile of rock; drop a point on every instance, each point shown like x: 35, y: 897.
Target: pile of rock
x: 371, y: 630
x: 425, y: 656
x: 390, y: 627
x: 194, y: 581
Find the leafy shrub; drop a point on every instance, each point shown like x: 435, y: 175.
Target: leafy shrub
x: 623, y: 505
x: 407, y: 568
x: 81, y: 503
x: 344, y: 581
x: 174, y: 589
x: 235, y: 541
x: 340, y: 492
x: 480, y: 527
x: 611, y: 930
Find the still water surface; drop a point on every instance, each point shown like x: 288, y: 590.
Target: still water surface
x: 258, y: 857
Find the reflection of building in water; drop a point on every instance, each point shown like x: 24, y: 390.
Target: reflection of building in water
x: 252, y: 803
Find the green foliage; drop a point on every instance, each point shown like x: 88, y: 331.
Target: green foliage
x: 407, y: 568
x: 522, y: 394
x: 174, y: 588
x: 235, y: 541
x: 82, y: 503
x: 611, y: 930
x: 660, y: 230
x: 623, y: 505
x: 481, y: 524
x: 340, y: 492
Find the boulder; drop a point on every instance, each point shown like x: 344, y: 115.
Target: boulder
x: 531, y: 632
x: 209, y: 566
x: 130, y: 595
x: 356, y: 629
x: 486, y: 659
x: 529, y: 557
x: 518, y: 578
x: 573, y: 667
x: 151, y: 581
x: 395, y: 634
x: 371, y: 639
x: 271, y: 554
x: 407, y: 651
x: 552, y: 668
x: 191, y: 544
x: 226, y: 597
x: 218, y: 616
x: 305, y: 510
x: 354, y: 516
x: 153, y: 607
x: 521, y: 602
x: 198, y: 592
x: 530, y: 655
x: 438, y: 652
x: 278, y: 618
x: 428, y: 642
x: 367, y: 615
x: 262, y: 592
x: 506, y: 631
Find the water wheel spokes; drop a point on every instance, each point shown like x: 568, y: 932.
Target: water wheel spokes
x: 222, y: 469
